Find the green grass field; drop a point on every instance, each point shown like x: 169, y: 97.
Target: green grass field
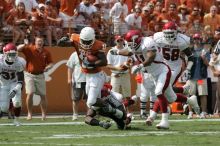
x: 62, y: 131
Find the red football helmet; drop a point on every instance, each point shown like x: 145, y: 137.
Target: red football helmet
x: 10, y: 52
x: 170, y: 31
x: 134, y: 38
x: 197, y: 36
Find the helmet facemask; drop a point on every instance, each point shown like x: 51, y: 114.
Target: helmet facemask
x: 170, y: 35
x: 86, y: 44
x: 135, y: 43
x: 11, y: 56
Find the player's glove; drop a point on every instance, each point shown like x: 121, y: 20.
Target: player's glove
x: 114, y: 52
x: 13, y: 91
x: 187, y: 74
x: 64, y: 42
x: 137, y: 68
x: 87, y: 64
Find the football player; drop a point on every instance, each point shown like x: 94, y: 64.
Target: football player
x: 110, y: 99
x: 171, y: 44
x: 88, y: 47
x: 152, y: 62
x: 11, y: 80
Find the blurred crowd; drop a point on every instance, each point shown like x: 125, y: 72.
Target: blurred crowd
x: 24, y: 19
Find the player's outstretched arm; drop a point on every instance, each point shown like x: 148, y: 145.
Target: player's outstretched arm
x: 65, y: 42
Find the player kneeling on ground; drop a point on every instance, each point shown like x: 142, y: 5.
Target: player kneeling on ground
x: 113, y: 109
x: 11, y: 80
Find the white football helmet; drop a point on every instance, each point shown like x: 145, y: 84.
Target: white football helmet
x: 87, y: 37
x: 10, y: 52
x: 170, y: 31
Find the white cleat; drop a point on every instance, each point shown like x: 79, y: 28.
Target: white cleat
x: 202, y: 115
x: 163, y: 125
x: 194, y: 104
x: 149, y: 121
x: 75, y: 117
x: 16, y: 123
x: 190, y: 116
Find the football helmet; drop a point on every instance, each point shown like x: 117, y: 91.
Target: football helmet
x: 10, y: 52
x: 170, y: 31
x: 197, y: 36
x: 133, y: 38
x: 87, y: 37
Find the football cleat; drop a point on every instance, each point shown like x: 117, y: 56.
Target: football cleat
x: 16, y: 122
x: 75, y: 117
x: 149, y: 121
x: 190, y: 116
x: 163, y: 125
x: 202, y: 115
x: 194, y: 104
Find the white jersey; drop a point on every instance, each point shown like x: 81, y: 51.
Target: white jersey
x: 171, y: 52
x: 8, y: 72
x: 158, y: 64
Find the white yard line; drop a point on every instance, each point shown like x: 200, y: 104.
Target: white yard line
x: 127, y: 134
x: 33, y: 143
x: 82, y: 123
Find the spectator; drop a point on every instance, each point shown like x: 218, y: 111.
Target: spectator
x: 207, y: 35
x: 195, y: 15
x: 196, y: 27
x: 79, y: 21
x: 101, y: 27
x: 167, y: 3
x: 192, y: 3
x: 117, y: 16
x: 54, y: 23
x: 206, y: 4
x: 134, y: 20
x: 38, y: 61
x: 66, y: 13
x: 87, y: 10
x: 171, y: 15
x: 77, y: 82
x: 41, y: 24
x: 184, y: 17
x: 212, y: 18
x: 106, y: 7
x: 158, y: 8
x: 20, y: 21
x: 146, y: 18
x: 29, y: 5
x: 198, y: 79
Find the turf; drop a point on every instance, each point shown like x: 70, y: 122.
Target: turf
x: 62, y: 131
